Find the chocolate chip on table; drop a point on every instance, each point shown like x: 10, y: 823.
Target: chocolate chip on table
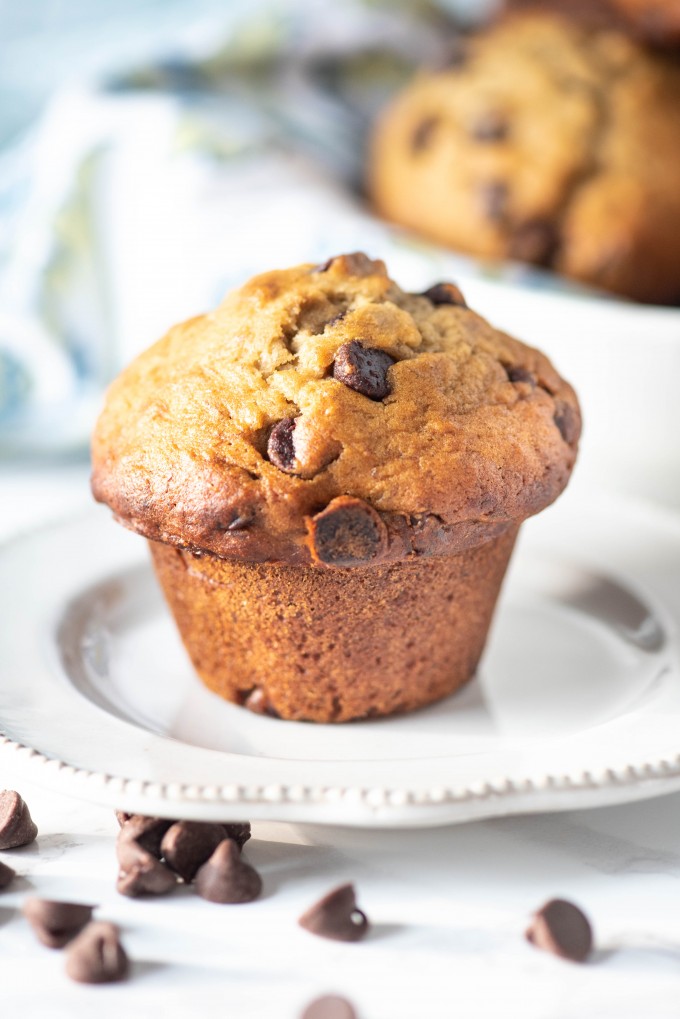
x: 336, y: 916
x: 147, y: 831
x: 567, y: 421
x: 348, y: 532
x: 16, y: 825
x: 238, y: 831
x: 56, y: 923
x: 494, y: 196
x: 7, y: 875
x: 535, y: 241
x: 445, y: 293
x: 226, y: 877
x: 187, y: 845
x: 490, y: 126
x: 423, y: 133
x: 141, y: 873
x: 516, y: 373
x: 281, y: 445
x: 363, y: 369
x: 96, y: 956
x: 561, y: 928
x: 330, y: 1006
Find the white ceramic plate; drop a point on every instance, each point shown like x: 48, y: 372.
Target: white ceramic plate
x: 577, y: 702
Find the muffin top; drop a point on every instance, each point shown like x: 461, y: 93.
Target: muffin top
x: 321, y: 414
x: 546, y: 141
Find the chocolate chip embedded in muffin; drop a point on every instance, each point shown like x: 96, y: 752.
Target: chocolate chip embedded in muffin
x: 256, y: 700
x: 363, y: 369
x: 445, y: 293
x: 493, y: 198
x: 281, y: 446
x: 490, y: 126
x: 336, y: 916
x: 535, y: 241
x: 562, y: 928
x: 516, y: 373
x: 567, y: 421
x: 348, y: 532
x: 423, y: 133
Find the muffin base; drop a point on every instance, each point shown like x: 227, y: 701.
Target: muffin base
x: 323, y: 645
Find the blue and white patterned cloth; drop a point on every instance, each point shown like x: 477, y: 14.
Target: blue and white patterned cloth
x: 140, y: 200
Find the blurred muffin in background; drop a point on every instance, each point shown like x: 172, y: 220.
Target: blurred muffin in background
x: 656, y: 22
x: 548, y: 141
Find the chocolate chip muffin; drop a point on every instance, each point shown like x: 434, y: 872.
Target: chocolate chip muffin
x: 654, y: 22
x: 331, y: 473
x: 550, y: 142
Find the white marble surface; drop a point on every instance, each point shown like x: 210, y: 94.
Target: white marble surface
x: 448, y: 906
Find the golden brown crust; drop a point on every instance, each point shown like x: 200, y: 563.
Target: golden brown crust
x: 235, y: 432
x: 334, y: 645
x: 551, y: 143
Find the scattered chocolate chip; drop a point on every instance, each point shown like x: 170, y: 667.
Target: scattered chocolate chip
x: 258, y: 702
x: 363, y: 369
x: 281, y: 445
x: 519, y: 374
x: 141, y: 873
x: 238, y: 831
x: 226, y: 877
x: 445, y: 293
x: 147, y: 831
x: 348, y: 532
x: 16, y: 825
x: 336, y: 916
x: 535, y: 241
x: 423, y: 133
x: 490, y: 126
x: 494, y: 197
x: 188, y: 844
x: 96, y: 956
x: 330, y: 1006
x: 561, y: 928
x: 56, y: 923
x: 7, y: 875
x: 567, y: 421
